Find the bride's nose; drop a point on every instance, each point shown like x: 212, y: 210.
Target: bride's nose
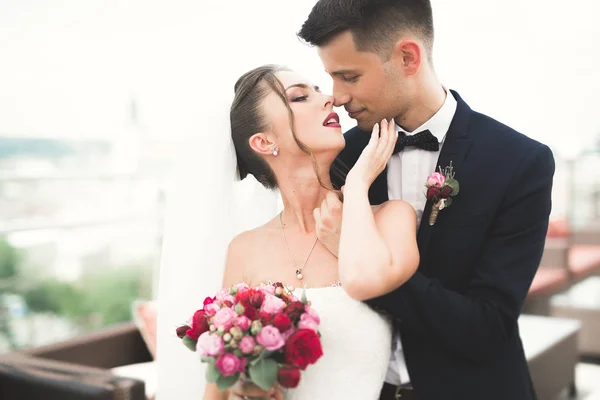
x: 329, y: 100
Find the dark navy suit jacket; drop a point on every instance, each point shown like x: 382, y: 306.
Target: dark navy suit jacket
x: 457, y: 316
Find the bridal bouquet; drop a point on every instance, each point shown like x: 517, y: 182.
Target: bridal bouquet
x: 265, y: 333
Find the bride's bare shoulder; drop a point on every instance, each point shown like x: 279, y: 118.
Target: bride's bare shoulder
x: 245, y: 253
x: 251, y: 240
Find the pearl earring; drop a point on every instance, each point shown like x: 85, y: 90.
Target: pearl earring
x: 275, y: 152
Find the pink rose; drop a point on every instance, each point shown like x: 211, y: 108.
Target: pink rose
x: 210, y: 344
x: 272, y: 304
x: 224, y: 318
x: 247, y: 344
x: 242, y: 322
x: 270, y: 338
x: 231, y: 299
x: 306, y: 322
x: 436, y: 180
x: 228, y: 364
x: 209, y: 300
x: 313, y: 314
x: 241, y: 287
x: 223, y: 293
x: 266, y: 289
x: 212, y: 308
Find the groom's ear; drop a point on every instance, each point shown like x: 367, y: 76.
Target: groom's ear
x: 407, y: 56
x: 261, y: 143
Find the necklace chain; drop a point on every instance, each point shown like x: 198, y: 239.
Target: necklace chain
x: 298, y: 270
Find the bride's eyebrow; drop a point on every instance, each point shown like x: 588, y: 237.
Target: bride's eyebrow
x: 304, y: 86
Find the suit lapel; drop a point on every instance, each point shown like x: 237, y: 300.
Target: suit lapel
x: 454, y: 149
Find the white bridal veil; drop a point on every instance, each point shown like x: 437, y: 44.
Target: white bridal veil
x: 208, y: 205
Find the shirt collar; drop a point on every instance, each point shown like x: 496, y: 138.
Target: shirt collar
x: 440, y: 122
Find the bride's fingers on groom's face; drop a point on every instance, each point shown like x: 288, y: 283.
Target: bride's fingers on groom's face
x: 374, y: 137
x: 392, y: 139
x: 383, y: 136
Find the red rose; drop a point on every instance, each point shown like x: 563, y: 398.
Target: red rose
x: 294, y: 310
x: 209, y: 300
x: 181, y: 331
x: 250, y: 312
x: 282, y: 322
x: 432, y: 192
x: 445, y: 192
x: 288, y: 377
x: 265, y: 318
x: 199, y: 325
x: 256, y: 298
x: 243, y: 296
x: 303, y: 348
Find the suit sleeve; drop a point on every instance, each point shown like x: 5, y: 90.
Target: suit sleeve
x: 477, y: 322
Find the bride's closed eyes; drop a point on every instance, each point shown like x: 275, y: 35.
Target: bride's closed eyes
x: 301, y: 92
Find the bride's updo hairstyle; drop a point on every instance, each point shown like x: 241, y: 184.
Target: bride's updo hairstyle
x: 247, y: 119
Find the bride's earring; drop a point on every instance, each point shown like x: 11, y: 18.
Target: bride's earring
x: 274, y: 151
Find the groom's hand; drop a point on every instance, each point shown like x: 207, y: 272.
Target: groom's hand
x: 329, y: 222
x: 246, y: 390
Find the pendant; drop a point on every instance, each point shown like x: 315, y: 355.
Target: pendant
x: 299, y: 274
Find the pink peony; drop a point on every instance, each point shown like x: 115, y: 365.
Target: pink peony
x: 436, y: 179
x: 307, y: 322
x: 210, y: 344
x: 247, y: 344
x: 212, y: 308
x: 272, y: 304
x: 242, y: 322
x: 270, y: 338
x: 228, y: 364
x: 266, y: 289
x: 224, y: 318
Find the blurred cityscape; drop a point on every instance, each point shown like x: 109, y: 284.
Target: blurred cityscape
x: 80, y: 231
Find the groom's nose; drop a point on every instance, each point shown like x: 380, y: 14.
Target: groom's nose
x: 340, y: 98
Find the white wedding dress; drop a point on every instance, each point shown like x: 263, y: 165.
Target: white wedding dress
x: 357, y: 343
x: 207, y: 207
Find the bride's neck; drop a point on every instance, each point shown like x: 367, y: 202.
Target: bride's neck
x: 301, y: 193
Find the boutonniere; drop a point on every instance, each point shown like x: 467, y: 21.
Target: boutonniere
x: 441, y: 189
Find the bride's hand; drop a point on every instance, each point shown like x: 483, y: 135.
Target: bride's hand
x: 245, y: 389
x: 328, y: 219
x: 375, y: 155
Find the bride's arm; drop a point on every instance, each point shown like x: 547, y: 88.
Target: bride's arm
x: 378, y: 251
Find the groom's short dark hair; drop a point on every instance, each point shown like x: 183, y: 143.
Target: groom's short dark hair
x: 374, y: 24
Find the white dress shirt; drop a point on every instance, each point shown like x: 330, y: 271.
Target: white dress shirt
x: 406, y: 175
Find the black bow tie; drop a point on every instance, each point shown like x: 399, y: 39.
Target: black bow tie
x: 423, y: 140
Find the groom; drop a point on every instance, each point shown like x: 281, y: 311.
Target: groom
x: 457, y: 316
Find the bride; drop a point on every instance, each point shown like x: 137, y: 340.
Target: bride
x: 287, y: 136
